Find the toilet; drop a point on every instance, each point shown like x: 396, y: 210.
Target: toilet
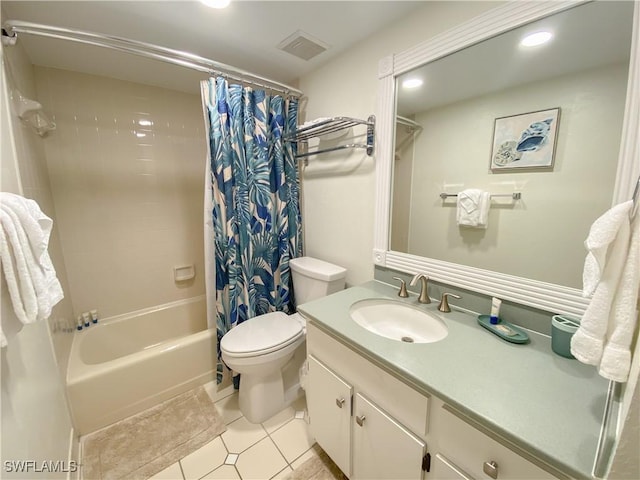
x: 268, y: 350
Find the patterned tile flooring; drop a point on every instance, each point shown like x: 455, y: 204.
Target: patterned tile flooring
x: 270, y: 450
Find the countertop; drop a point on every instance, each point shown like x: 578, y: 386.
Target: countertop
x: 548, y: 405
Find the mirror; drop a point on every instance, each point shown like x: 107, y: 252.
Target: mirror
x: 447, y: 134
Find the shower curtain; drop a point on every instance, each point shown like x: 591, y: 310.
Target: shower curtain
x: 252, y: 205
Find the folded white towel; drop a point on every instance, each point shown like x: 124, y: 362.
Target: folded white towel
x: 601, y: 235
x: 616, y: 357
x: 588, y: 342
x: 31, y: 278
x: 473, y: 208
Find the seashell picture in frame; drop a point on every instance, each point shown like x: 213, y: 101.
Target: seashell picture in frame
x: 525, y: 141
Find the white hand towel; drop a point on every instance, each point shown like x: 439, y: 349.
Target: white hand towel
x: 588, y: 342
x: 31, y: 278
x: 616, y: 357
x: 473, y: 208
x: 601, y: 235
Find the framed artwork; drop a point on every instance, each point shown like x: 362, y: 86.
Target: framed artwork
x: 525, y: 141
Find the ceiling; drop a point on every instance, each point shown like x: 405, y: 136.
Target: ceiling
x: 588, y: 36
x: 244, y: 35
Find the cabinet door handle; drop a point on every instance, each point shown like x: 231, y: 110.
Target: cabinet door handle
x: 339, y: 402
x: 360, y: 419
x: 491, y: 469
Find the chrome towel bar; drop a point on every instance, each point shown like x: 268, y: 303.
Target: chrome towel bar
x: 514, y: 196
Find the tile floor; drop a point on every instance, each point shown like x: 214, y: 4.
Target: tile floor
x: 270, y: 450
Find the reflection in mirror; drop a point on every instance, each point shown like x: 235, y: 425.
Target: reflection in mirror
x: 582, y: 71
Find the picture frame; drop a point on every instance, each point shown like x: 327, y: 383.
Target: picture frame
x: 525, y: 141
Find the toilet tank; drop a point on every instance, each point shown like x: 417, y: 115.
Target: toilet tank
x: 313, y: 278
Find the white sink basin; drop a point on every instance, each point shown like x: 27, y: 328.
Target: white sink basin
x: 398, y: 321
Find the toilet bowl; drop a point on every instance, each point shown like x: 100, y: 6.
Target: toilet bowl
x: 259, y: 349
x: 268, y: 350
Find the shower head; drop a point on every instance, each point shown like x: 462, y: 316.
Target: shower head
x: 25, y: 106
x: 30, y: 112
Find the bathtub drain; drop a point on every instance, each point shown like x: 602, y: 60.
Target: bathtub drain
x: 407, y: 339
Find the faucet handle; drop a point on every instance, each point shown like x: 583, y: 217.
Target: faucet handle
x: 403, y: 288
x: 444, y: 303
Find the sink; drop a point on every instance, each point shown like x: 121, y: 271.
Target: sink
x: 398, y: 321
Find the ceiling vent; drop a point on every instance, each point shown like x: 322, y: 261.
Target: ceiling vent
x: 302, y: 45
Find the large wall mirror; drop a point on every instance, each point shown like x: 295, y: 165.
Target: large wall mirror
x: 448, y: 111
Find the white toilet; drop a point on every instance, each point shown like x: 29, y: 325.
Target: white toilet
x: 268, y: 350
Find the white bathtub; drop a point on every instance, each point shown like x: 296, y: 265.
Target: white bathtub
x: 131, y: 362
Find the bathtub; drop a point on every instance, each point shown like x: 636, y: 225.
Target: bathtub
x: 131, y: 362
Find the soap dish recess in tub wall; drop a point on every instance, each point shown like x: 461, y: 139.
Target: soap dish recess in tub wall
x: 183, y: 273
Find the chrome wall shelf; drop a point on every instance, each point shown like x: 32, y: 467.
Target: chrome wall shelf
x: 332, y: 125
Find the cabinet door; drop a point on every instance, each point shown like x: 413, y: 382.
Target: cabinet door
x: 329, y: 403
x: 443, y: 469
x: 382, y: 448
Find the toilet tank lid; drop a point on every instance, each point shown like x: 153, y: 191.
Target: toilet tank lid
x: 319, y: 269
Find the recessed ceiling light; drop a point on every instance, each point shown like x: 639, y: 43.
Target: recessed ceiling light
x: 216, y: 3
x: 412, y: 83
x: 535, y: 39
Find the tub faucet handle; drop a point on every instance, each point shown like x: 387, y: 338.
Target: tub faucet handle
x: 424, y: 295
x: 444, y: 303
x: 403, y: 288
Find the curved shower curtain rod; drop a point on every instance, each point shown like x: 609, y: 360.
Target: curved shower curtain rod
x: 12, y: 28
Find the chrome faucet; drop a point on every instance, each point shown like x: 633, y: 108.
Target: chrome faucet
x: 424, y: 295
x: 444, y: 302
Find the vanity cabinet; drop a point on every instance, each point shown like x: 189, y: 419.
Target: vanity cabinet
x: 375, y: 426
x: 367, y: 421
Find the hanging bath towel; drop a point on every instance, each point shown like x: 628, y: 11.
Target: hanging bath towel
x: 616, y: 357
x: 31, y: 278
x: 608, y: 244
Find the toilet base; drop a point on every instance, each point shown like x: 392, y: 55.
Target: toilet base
x: 262, y: 396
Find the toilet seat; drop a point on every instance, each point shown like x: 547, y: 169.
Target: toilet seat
x: 262, y: 334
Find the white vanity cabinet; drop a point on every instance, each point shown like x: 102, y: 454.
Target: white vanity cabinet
x: 366, y: 420
x: 375, y: 426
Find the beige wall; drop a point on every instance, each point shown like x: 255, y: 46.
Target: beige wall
x: 129, y: 198
x: 339, y: 188
x: 557, y: 207
x: 33, y: 395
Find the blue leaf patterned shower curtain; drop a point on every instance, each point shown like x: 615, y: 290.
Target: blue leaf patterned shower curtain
x: 253, y: 211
